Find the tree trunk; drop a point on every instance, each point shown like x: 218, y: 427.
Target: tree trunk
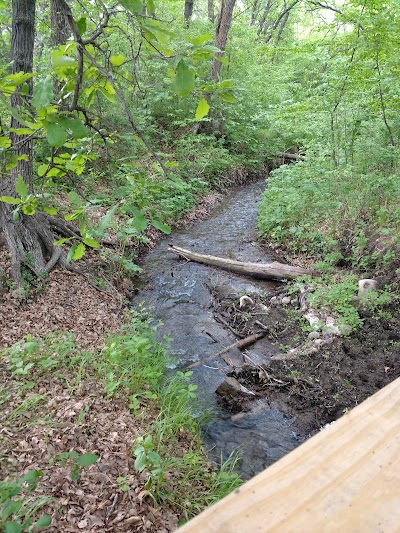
x: 29, y: 238
x: 221, y: 34
x: 210, y: 10
x: 188, y: 12
x: 60, y: 31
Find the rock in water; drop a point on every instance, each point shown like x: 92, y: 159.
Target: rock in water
x: 231, y: 387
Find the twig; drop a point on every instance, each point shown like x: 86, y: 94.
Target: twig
x: 112, y: 508
x: 225, y: 323
x: 243, y: 343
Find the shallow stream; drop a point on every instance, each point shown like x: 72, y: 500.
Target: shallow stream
x: 178, y: 294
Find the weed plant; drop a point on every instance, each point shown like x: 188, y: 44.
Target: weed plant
x: 131, y: 365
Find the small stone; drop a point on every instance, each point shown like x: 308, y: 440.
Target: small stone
x: 332, y: 329
x: 285, y: 300
x: 367, y: 285
x: 294, y: 302
x: 314, y: 335
x: 273, y: 301
x: 231, y: 387
x: 345, y: 329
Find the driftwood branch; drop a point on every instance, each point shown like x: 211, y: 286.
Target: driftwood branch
x: 272, y: 270
x: 242, y: 343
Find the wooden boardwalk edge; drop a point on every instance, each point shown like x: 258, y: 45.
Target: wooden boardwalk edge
x: 344, y: 479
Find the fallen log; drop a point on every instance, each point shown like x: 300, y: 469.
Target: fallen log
x: 288, y: 155
x: 242, y: 343
x: 272, y: 270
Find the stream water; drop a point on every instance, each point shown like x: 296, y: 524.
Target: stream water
x: 177, y: 293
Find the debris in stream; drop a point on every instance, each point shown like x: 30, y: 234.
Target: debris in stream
x: 273, y: 270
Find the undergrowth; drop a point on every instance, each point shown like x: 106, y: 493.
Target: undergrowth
x: 340, y: 217
x: 130, y: 367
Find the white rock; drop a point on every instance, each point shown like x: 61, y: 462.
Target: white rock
x: 366, y: 285
x: 285, y: 300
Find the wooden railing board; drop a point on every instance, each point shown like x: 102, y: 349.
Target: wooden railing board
x: 345, y: 479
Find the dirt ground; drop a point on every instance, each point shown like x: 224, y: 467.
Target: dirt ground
x: 312, y: 389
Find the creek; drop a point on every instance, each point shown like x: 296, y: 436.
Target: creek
x: 178, y: 295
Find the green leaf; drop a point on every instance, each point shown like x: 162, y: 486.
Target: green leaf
x: 161, y: 226
x: 91, y: 242
x: 49, y: 210
x: 10, y: 200
x: 77, y: 128
x: 21, y: 188
x: 139, y: 222
x: 87, y: 459
x: 105, y: 221
x: 79, y: 252
x: 228, y: 97
x: 222, y: 59
x: 134, y: 6
x: 202, y: 109
x: 71, y: 252
x: 42, y: 169
x: 81, y: 24
x: 202, y: 39
x: 56, y: 135
x: 183, y: 83
x: 13, y: 527
x: 63, y: 61
x: 42, y: 93
x: 5, y: 142
x: 62, y: 241
x: 150, y: 6
x: 140, y: 462
x: 15, y: 215
x: 74, y: 199
x: 10, y: 507
x: 116, y: 61
x: 22, y: 131
x: 44, y: 521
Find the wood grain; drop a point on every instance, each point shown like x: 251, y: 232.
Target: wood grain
x: 345, y: 479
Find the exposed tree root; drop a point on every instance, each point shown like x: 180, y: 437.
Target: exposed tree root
x: 30, y: 241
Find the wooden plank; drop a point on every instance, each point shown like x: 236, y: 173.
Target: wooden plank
x: 345, y: 479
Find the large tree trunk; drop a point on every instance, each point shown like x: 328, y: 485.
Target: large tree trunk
x: 29, y: 238
x: 221, y: 34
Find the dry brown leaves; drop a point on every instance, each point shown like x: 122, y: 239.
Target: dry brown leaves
x: 69, y: 303
x: 87, y: 422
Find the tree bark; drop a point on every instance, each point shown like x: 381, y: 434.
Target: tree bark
x: 210, y: 11
x: 221, y: 34
x: 29, y: 239
x: 188, y: 12
x: 272, y: 270
x: 60, y: 31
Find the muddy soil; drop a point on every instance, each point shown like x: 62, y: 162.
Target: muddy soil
x: 314, y: 389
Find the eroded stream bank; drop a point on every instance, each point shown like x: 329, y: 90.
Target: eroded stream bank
x: 180, y: 294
